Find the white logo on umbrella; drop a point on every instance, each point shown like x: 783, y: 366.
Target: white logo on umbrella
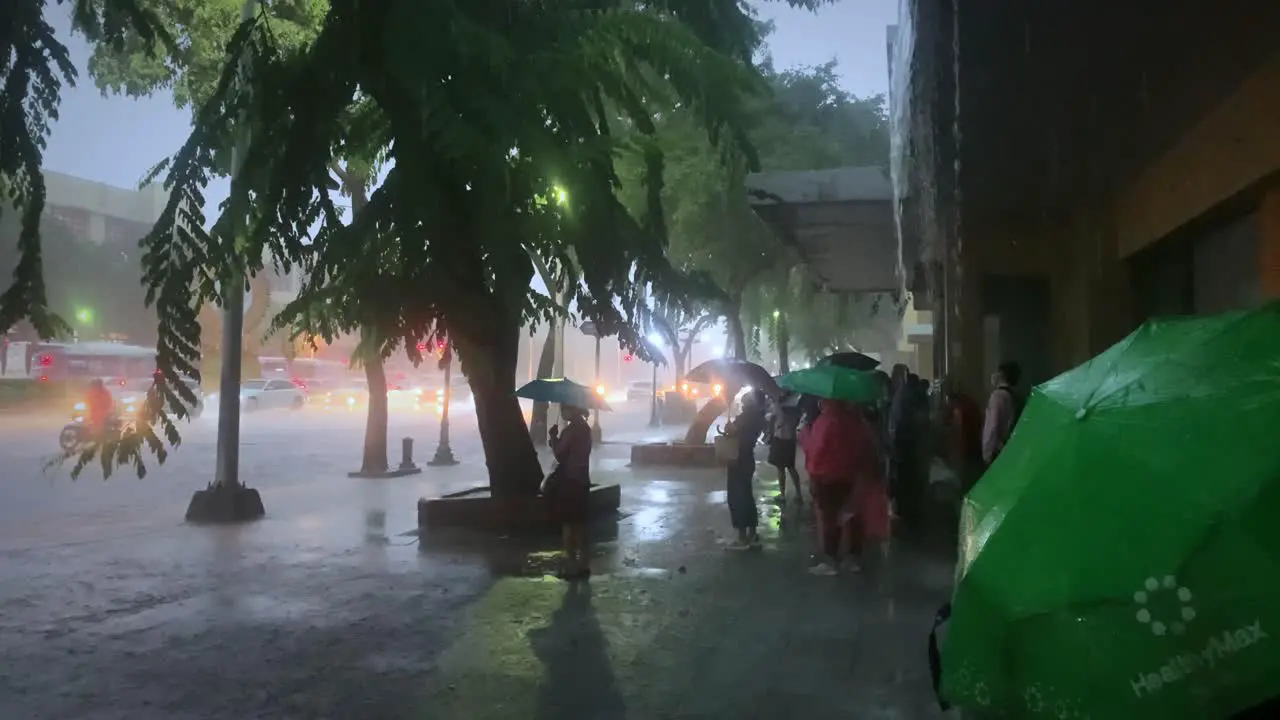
x: 1152, y: 587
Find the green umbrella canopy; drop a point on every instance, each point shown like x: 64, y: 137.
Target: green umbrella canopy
x: 563, y: 392
x: 835, y: 383
x: 1121, y: 558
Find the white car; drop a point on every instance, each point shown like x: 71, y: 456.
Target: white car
x: 271, y: 395
x: 638, y: 390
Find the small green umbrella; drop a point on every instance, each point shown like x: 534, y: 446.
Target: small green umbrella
x: 834, y: 383
x: 1121, y: 558
x: 562, y: 392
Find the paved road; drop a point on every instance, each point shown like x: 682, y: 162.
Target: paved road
x: 281, y: 453
x: 111, y: 608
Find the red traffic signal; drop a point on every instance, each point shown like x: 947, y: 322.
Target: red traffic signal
x: 628, y: 357
x: 422, y: 347
x: 440, y: 344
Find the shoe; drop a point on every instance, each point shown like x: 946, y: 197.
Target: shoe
x: 823, y: 569
x: 755, y: 542
x: 738, y: 545
x: 853, y: 566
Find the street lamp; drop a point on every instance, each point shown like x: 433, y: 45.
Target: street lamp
x: 444, y: 454
x: 84, y: 316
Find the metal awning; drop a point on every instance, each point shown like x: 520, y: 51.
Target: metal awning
x: 840, y: 221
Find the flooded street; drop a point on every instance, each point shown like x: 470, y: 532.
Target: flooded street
x: 331, y: 607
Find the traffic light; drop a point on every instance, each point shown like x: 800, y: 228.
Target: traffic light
x: 628, y: 357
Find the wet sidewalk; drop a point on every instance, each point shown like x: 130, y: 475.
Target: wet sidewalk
x: 331, y: 608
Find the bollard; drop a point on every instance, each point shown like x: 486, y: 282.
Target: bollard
x: 406, y: 454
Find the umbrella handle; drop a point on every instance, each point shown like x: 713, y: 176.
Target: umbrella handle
x: 935, y: 656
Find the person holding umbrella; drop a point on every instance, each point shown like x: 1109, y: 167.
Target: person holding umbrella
x: 747, y: 428
x: 842, y: 458
x: 570, y: 491
x: 568, y: 487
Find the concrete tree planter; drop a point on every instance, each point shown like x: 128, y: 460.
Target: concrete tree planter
x: 674, y: 454
x: 477, y: 508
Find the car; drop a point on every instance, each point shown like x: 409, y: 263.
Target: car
x: 130, y: 394
x: 639, y: 390
x: 350, y: 394
x: 271, y: 395
x: 459, y: 389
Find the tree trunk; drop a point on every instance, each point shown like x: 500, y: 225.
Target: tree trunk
x: 538, y: 422
x: 783, y: 340
x: 375, y: 424
x: 681, y: 354
x: 737, y: 333
x: 488, y: 354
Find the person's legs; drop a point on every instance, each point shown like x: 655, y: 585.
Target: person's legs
x: 795, y: 480
x: 829, y: 499
x: 582, y: 549
x: 738, y: 491
x: 853, y: 544
x: 568, y: 548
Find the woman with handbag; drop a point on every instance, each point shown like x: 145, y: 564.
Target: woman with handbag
x: 745, y: 431
x: 568, y: 488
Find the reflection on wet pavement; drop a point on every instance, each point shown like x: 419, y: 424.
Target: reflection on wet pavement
x: 327, y: 609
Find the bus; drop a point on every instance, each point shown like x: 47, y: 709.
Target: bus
x: 54, y: 362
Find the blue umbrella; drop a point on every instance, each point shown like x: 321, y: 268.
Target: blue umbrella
x: 562, y: 392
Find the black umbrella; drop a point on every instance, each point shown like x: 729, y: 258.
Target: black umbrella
x: 731, y: 370
x: 852, y: 360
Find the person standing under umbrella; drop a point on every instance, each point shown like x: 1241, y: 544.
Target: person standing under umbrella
x: 782, y: 447
x: 840, y: 452
x: 747, y: 428
x: 570, y: 489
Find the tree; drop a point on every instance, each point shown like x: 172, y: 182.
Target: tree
x: 494, y: 108
x: 503, y: 145
x: 679, y: 325
x: 192, y: 72
x: 806, y: 122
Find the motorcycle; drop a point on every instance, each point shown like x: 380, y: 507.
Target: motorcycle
x: 76, y: 434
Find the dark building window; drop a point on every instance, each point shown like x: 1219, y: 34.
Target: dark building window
x: 124, y: 233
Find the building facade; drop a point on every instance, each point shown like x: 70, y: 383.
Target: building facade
x: 103, y: 214
x: 1052, y: 198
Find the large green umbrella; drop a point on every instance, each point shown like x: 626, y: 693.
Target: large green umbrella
x: 835, y: 383
x: 1121, y: 558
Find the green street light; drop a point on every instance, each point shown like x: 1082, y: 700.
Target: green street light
x: 84, y: 315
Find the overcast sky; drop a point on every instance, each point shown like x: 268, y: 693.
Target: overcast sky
x: 116, y: 140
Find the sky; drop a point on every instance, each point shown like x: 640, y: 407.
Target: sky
x: 116, y: 140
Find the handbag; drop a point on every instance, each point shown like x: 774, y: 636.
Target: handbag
x: 726, y: 448
x: 552, y: 482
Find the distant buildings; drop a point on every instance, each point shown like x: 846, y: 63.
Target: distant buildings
x: 100, y: 213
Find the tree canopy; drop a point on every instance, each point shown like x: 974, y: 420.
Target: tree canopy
x: 503, y: 119
x: 806, y: 122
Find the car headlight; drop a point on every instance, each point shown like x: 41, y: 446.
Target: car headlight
x: 351, y: 401
x: 79, y: 407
